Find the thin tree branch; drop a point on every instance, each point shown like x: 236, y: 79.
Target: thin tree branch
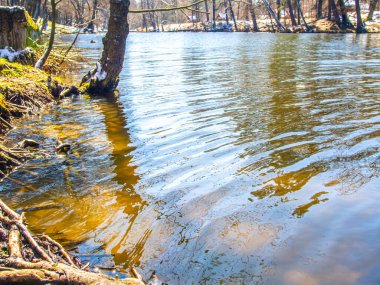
x: 166, y: 8
x: 199, y: 11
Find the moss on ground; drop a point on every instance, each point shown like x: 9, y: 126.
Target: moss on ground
x: 24, y: 89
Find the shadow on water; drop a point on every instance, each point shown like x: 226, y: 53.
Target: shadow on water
x: 84, y: 195
x: 125, y: 175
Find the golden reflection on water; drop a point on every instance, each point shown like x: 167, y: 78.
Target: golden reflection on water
x: 232, y: 169
x: 68, y: 214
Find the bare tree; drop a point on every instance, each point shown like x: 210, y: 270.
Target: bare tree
x: 207, y: 13
x: 105, y: 77
x: 335, y: 12
x: 40, y: 63
x: 232, y: 14
x: 253, y: 16
x: 343, y: 11
x: 319, y: 9
x: 291, y: 13
x: 372, y: 7
x: 359, y: 23
x: 91, y: 25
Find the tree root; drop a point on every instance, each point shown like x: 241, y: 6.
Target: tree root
x: 41, y: 260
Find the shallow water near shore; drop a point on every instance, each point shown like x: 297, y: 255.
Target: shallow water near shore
x: 227, y: 159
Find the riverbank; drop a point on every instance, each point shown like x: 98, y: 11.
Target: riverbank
x: 25, y: 258
x: 264, y: 25
x: 24, y: 91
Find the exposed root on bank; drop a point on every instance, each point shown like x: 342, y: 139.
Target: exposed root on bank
x: 27, y: 259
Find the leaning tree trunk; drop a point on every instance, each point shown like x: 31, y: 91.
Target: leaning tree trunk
x: 372, y: 7
x: 232, y: 15
x: 105, y: 77
x: 279, y: 7
x: 272, y: 14
x: 308, y: 29
x: 40, y: 63
x: 359, y: 23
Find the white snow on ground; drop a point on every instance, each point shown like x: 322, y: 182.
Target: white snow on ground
x: 10, y: 54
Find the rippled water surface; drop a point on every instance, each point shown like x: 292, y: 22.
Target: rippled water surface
x: 227, y: 159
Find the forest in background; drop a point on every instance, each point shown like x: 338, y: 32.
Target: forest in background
x: 240, y: 15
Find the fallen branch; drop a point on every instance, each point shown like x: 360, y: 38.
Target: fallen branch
x: 14, y: 243
x: 68, y: 50
x: 61, y: 249
x: 23, y: 265
x: 6, y: 123
x: 12, y: 214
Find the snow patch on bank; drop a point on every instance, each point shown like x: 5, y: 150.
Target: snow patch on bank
x: 10, y: 54
x: 99, y: 74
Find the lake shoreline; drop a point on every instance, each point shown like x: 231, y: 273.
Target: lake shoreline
x: 264, y: 26
x: 27, y: 258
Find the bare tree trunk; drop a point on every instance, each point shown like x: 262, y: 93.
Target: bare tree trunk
x: 91, y: 25
x: 335, y: 12
x: 345, y: 20
x: 272, y: 14
x: 226, y: 12
x: 329, y: 10
x: 151, y: 15
x: 308, y: 29
x: 105, y: 77
x: 144, y: 24
x: 79, y: 10
x: 238, y: 11
x: 207, y: 14
x: 44, y: 16
x: 372, y: 7
x: 40, y: 63
x: 152, y: 22
x: 213, y: 15
x: 271, y: 22
x: 253, y: 15
x: 319, y: 9
x: 291, y: 13
x: 157, y: 22
x: 298, y: 14
x: 359, y: 23
x: 37, y: 10
x: 232, y: 15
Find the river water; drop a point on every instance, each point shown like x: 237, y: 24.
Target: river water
x: 227, y: 159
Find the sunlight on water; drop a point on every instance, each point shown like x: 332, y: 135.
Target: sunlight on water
x: 242, y: 158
